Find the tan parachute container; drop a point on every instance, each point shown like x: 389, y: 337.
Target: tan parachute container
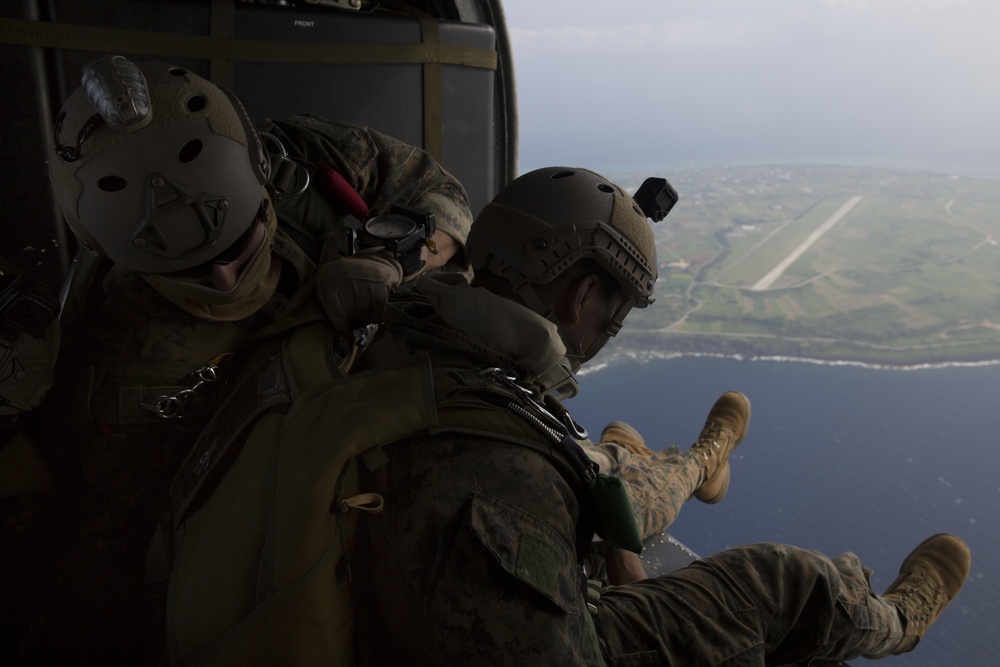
x: 265, y: 504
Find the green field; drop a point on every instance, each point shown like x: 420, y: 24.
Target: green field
x: 909, y: 274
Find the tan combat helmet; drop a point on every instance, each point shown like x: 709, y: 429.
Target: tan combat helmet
x: 549, y: 219
x: 155, y: 167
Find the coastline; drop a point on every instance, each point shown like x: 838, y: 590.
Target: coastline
x: 619, y: 351
x: 644, y: 357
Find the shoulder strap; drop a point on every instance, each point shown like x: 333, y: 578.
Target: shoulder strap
x: 86, y: 271
x: 399, y: 320
x: 255, y: 392
x: 156, y: 391
x: 509, y: 412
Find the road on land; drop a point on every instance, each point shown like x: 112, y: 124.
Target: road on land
x: 776, y: 272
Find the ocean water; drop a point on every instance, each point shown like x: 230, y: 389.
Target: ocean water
x: 838, y: 458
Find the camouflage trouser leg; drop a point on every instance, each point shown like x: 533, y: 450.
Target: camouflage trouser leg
x: 764, y: 604
x: 658, y: 485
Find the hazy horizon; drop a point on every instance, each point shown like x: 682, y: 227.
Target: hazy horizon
x: 903, y: 83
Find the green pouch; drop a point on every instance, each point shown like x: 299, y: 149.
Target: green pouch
x: 615, y: 518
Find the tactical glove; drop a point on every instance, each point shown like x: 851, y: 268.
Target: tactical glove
x: 27, y: 368
x: 354, y: 290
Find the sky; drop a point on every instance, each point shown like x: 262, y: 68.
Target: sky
x: 650, y: 83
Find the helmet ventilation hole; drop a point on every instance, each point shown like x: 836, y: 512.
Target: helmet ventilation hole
x: 112, y: 183
x: 604, y: 187
x: 196, y: 103
x: 563, y: 174
x: 178, y: 71
x: 190, y: 151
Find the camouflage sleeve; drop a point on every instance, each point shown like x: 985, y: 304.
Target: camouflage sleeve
x: 383, y: 170
x: 474, y: 556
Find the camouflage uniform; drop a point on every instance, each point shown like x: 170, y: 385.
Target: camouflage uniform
x: 474, y: 559
x: 381, y: 169
x: 113, y: 455
x: 658, y: 485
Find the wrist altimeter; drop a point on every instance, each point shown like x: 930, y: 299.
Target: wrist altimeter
x: 402, y: 231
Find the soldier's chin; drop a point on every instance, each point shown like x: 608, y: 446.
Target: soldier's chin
x: 254, y: 289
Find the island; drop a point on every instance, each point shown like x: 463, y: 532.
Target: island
x: 824, y: 262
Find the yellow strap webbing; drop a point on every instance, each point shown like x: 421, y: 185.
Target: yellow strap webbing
x: 222, y: 49
x: 433, y: 116
x: 22, y: 32
x: 222, y: 28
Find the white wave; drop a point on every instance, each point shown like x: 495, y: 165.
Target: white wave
x: 654, y: 355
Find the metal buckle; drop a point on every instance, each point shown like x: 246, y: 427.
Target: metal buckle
x: 510, y: 381
x: 180, y: 405
x: 297, y: 184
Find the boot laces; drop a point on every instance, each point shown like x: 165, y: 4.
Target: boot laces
x: 709, y: 439
x: 919, y: 597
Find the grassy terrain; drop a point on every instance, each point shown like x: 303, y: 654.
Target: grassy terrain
x: 910, y: 274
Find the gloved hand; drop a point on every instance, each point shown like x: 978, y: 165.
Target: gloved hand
x: 354, y: 290
x: 27, y: 366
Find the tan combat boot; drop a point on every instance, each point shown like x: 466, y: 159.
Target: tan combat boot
x: 725, y: 428
x: 928, y: 581
x: 626, y: 436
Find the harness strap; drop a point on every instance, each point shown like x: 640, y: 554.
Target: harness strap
x: 131, y: 405
x: 605, y: 495
x: 298, y: 249
x: 437, y: 337
x: 278, y: 372
x: 260, y: 391
x: 131, y: 393
x: 594, y: 587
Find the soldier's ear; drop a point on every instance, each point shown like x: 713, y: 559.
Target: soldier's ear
x: 576, y: 298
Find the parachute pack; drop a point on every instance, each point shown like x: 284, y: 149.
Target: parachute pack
x: 267, y: 503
